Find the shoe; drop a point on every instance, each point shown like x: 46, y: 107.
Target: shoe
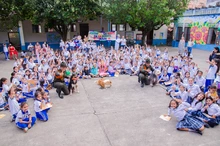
x: 61, y: 96
x: 59, y: 92
x: 2, y: 109
x: 206, y: 125
x: 26, y: 130
x: 142, y: 85
x: 212, y: 123
x: 151, y: 85
x: 199, y: 132
x: 13, y: 119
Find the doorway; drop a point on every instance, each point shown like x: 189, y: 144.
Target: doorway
x: 169, y: 37
x: 84, y: 29
x: 14, y: 39
x: 150, y: 37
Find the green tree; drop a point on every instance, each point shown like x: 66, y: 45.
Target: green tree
x: 12, y: 11
x: 145, y: 15
x: 61, y: 14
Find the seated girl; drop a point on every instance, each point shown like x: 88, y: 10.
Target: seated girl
x: 94, y: 71
x: 41, y: 113
x: 111, y: 69
x: 24, y: 120
x: 26, y: 89
x: 13, y: 104
x: 103, y: 69
x: 86, y: 73
x: 186, y: 122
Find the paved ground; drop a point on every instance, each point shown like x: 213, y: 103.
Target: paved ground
x: 124, y: 115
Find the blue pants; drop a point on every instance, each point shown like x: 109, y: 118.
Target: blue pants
x: 6, y: 55
x: 28, y: 94
x: 25, y: 125
x: 42, y: 115
x: 208, y: 82
x: 22, y: 100
x: 190, y: 50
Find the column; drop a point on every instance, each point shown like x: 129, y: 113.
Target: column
x: 21, y: 35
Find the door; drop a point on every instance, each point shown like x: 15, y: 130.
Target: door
x: 84, y: 29
x: 150, y: 37
x: 169, y: 37
x: 14, y: 39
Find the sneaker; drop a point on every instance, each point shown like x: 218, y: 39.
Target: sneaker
x: 199, y: 132
x: 151, y: 85
x: 13, y: 119
x: 25, y: 130
x: 142, y: 85
x: 2, y: 109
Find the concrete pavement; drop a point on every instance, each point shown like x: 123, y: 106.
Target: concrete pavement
x: 123, y: 115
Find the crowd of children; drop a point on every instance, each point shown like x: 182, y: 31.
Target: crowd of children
x: 33, y: 76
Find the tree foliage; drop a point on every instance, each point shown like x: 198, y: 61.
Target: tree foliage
x: 12, y: 11
x: 60, y: 14
x: 145, y: 15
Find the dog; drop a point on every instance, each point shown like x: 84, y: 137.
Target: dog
x: 73, y: 87
x: 104, y: 82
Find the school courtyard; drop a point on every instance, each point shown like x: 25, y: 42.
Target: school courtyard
x: 123, y: 115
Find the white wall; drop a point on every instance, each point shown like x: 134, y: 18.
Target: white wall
x: 33, y: 37
x: 161, y: 33
x: 4, y: 37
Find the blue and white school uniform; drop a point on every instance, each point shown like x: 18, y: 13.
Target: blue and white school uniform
x: 170, y: 71
x: 200, y: 81
x: 25, y: 91
x: 13, y: 106
x: 182, y: 95
x: 195, y: 106
x: 176, y: 65
x: 24, y: 116
x: 40, y: 114
x: 213, y: 109
x: 165, y: 56
x: 194, y: 90
x: 210, y: 76
x: 2, y: 102
x: 185, y: 120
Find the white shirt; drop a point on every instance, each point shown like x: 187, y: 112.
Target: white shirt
x: 13, y: 105
x: 22, y: 115
x: 211, y: 73
x: 194, y: 90
x: 179, y: 112
x: 123, y: 42
x: 37, y: 105
x: 5, y: 48
x: 200, y: 81
x: 213, y: 109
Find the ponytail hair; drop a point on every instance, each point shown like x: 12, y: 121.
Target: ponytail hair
x: 2, y: 80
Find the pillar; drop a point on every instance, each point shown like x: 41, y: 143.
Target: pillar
x: 21, y: 35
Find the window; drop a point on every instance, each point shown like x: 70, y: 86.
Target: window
x: 73, y: 28
x: 36, y: 28
x: 187, y: 33
x: 179, y: 33
x: 114, y: 27
x: 212, y: 36
x: 122, y: 27
x: 129, y: 28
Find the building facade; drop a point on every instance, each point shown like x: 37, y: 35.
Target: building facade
x: 201, y: 23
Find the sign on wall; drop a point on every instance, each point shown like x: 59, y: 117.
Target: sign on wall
x: 102, y: 36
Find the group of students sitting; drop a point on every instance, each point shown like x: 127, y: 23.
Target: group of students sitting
x: 33, y: 75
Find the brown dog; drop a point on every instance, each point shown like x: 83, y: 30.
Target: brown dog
x: 104, y: 82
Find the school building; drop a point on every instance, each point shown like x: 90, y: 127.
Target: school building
x: 29, y: 33
x: 201, y: 23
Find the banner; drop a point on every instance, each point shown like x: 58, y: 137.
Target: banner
x: 102, y: 36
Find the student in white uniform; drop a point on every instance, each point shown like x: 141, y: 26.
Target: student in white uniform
x: 5, y: 49
x: 210, y: 77
x: 117, y: 42
x: 41, y: 114
x: 5, y: 88
x: 123, y: 42
x: 13, y: 104
x: 200, y: 80
x: 186, y: 122
x: 193, y: 90
x: 24, y: 120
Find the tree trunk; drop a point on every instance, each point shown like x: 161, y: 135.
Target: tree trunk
x: 143, y: 39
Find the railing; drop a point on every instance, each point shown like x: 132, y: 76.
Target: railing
x: 202, y: 11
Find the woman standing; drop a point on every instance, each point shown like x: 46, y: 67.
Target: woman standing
x: 189, y: 46
x: 181, y: 46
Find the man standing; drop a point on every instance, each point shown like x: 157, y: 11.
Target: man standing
x: 59, y: 82
x: 5, y: 49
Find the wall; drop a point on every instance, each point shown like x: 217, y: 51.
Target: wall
x: 29, y: 36
x: 160, y: 36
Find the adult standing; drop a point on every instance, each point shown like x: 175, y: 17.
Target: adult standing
x: 189, y: 46
x: 181, y: 46
x: 215, y: 54
x: 123, y: 42
x: 117, y: 42
x: 5, y: 49
x: 59, y: 82
x: 12, y: 51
